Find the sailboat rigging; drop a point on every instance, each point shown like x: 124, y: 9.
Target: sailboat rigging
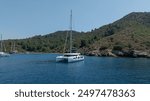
x: 2, y: 54
x: 13, y: 48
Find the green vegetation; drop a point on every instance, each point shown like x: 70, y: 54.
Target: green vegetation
x: 130, y: 32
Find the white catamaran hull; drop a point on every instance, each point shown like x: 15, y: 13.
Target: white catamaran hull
x: 69, y: 59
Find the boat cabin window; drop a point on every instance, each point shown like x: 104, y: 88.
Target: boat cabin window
x: 69, y: 55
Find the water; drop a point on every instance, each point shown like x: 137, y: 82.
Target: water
x: 42, y: 69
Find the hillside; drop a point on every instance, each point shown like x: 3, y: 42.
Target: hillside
x: 131, y: 33
x: 125, y: 37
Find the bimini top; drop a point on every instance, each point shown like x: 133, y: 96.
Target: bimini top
x: 71, y: 54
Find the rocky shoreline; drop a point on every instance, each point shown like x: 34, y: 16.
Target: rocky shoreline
x: 117, y: 53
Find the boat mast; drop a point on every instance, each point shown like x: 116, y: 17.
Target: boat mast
x: 1, y: 45
x: 71, y: 32
x: 11, y: 46
x: 14, y: 47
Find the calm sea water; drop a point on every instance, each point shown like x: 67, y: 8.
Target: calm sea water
x: 42, y: 69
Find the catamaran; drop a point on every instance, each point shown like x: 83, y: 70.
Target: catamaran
x: 71, y: 56
x: 2, y: 54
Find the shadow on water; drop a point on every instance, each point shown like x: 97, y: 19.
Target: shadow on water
x: 71, y: 64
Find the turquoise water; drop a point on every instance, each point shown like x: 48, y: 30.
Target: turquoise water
x: 42, y: 69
